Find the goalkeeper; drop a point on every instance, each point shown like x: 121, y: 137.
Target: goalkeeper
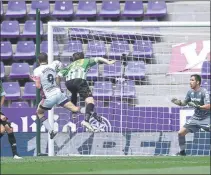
x: 198, y: 98
x: 75, y: 75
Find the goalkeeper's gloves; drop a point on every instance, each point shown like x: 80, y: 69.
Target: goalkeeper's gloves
x: 176, y: 101
x: 192, y: 104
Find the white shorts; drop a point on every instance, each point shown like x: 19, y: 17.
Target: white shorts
x: 56, y: 99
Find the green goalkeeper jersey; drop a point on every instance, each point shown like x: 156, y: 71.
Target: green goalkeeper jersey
x: 78, y: 69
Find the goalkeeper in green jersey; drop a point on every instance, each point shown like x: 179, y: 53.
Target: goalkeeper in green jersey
x: 75, y: 75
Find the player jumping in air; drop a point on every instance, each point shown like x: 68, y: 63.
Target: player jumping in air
x: 198, y: 98
x: 75, y: 75
x: 45, y: 77
x: 5, y: 125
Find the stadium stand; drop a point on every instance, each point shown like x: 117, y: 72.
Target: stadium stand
x: 18, y: 31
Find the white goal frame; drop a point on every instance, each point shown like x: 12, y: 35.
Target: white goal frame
x: 104, y: 24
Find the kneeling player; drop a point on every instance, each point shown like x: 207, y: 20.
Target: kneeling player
x: 6, y: 126
x: 45, y: 77
x: 199, y: 98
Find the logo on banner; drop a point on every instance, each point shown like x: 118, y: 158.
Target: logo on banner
x: 189, y: 57
x: 105, y: 126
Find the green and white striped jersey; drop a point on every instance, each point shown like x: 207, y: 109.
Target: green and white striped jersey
x: 78, y: 69
x: 2, y: 92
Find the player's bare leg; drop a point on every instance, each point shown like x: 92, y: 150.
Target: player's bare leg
x: 71, y: 107
x: 45, y: 121
x: 182, y: 143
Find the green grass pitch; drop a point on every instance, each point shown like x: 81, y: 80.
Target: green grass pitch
x: 107, y: 165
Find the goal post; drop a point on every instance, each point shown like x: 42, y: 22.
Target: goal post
x: 132, y: 115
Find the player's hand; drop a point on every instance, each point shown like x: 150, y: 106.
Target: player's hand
x: 176, y: 101
x: 3, y: 118
x: 192, y: 104
x: 111, y: 61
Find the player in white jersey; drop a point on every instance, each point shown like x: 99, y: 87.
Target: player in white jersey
x: 45, y: 77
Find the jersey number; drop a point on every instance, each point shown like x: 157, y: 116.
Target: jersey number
x: 50, y: 78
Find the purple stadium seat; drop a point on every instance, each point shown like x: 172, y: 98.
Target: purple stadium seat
x: 44, y: 47
x: 10, y: 29
x: 29, y: 91
x: 135, y: 70
x: 72, y: 47
x: 63, y: 9
x: 96, y: 49
x: 114, y: 70
x: 25, y: 50
x: 156, y: 8
x: 2, y: 70
x: 12, y: 90
x: 118, y: 48
x: 93, y: 73
x: 110, y: 8
x: 19, y: 70
x: 16, y: 9
x: 86, y: 9
x: 29, y: 30
x: 205, y: 70
x: 19, y: 105
x: 133, y: 8
x: 206, y: 84
x: 102, y: 89
x: 128, y: 89
x: 142, y: 49
x: 43, y: 5
x: 79, y: 32
x: 59, y: 31
x: 6, y: 50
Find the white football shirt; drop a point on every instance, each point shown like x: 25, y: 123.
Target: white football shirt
x: 47, y: 74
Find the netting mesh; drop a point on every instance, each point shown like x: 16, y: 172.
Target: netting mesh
x: 134, y: 95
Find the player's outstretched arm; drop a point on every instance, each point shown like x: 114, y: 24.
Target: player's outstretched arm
x: 105, y: 61
x: 178, y: 102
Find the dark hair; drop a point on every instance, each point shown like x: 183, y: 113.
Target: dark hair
x: 197, y: 78
x: 78, y: 56
x: 43, y: 57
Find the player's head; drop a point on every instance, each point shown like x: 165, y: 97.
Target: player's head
x: 43, y: 58
x: 195, y: 81
x: 78, y: 56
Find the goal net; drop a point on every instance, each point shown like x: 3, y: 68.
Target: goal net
x: 133, y: 96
